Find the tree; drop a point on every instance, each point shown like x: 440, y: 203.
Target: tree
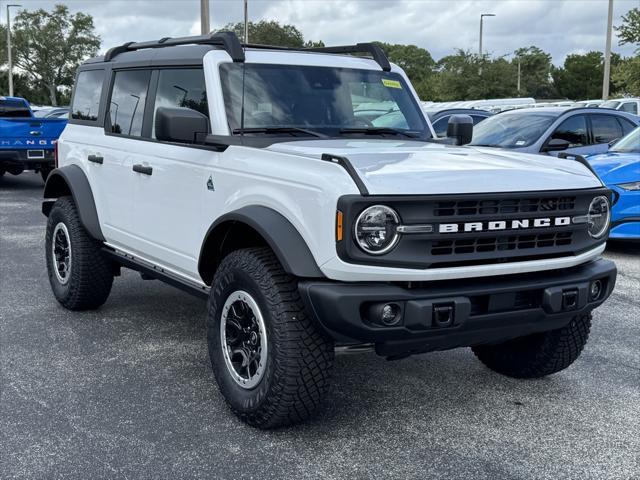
x: 580, y: 77
x: 49, y: 46
x: 269, y: 33
x: 535, y: 68
x: 629, y: 31
x: 417, y: 64
x: 625, y: 76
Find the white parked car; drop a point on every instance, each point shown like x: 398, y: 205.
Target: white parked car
x: 629, y: 105
x: 244, y: 175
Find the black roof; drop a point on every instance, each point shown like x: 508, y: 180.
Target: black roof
x: 191, y: 50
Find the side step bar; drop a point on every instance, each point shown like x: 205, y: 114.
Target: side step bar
x: 153, y: 271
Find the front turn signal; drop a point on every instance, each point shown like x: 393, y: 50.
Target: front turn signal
x: 339, y: 227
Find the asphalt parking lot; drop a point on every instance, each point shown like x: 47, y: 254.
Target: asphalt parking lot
x: 127, y: 392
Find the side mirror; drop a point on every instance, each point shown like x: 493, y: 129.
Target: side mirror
x: 613, y: 142
x: 182, y: 125
x: 460, y: 128
x: 556, y: 145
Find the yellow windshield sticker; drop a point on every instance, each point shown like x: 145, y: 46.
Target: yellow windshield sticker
x: 391, y: 83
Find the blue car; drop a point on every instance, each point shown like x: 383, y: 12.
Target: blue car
x: 551, y: 130
x: 619, y: 169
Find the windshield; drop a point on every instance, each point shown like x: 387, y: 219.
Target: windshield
x: 610, y: 104
x: 511, y: 131
x: 320, y: 101
x: 629, y: 144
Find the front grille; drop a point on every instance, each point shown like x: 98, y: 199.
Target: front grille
x: 503, y: 206
x: 477, y: 229
x: 500, y: 244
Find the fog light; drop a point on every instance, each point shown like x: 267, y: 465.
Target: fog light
x: 390, y: 314
x: 595, y: 290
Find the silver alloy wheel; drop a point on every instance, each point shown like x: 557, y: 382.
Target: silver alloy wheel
x: 61, y: 253
x: 244, y: 339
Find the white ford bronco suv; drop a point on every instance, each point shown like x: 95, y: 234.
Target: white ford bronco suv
x: 304, y: 194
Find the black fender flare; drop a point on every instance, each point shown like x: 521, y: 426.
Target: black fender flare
x: 70, y: 179
x: 283, y: 238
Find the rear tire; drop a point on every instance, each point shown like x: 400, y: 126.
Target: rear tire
x: 539, y: 354
x: 79, y: 274
x: 254, y: 302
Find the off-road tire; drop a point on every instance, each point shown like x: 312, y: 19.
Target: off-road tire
x: 300, y: 356
x: 91, y: 273
x: 539, y: 354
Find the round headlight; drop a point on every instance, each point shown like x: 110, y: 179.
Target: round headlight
x: 599, y: 216
x: 375, y: 229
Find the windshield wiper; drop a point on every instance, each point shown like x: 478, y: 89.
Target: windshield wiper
x: 279, y: 130
x: 379, y: 131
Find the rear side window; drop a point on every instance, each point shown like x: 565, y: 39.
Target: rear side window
x: 627, y: 126
x: 631, y: 107
x: 181, y: 88
x: 605, y: 128
x: 128, y: 99
x: 573, y: 130
x: 86, y: 97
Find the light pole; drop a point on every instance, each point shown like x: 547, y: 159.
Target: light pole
x: 205, y: 29
x: 607, y: 55
x: 9, y: 49
x: 246, y: 21
x: 481, y: 21
x: 519, y: 74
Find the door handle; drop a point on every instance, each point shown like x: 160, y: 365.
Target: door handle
x: 144, y: 169
x: 96, y: 159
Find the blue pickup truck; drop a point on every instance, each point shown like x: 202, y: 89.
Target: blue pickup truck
x: 26, y: 142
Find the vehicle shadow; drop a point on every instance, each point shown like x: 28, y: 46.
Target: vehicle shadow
x: 26, y: 181
x: 624, y: 246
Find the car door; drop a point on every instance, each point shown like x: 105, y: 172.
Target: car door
x: 574, y: 130
x: 169, y: 197
x: 122, y: 133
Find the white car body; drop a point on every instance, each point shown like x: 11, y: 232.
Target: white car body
x: 291, y: 179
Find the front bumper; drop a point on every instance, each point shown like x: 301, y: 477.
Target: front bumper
x: 481, y: 310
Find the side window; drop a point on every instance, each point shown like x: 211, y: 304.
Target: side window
x: 129, y: 96
x: 440, y: 126
x: 631, y: 107
x: 86, y: 97
x: 573, y: 130
x: 181, y: 88
x: 605, y: 128
x: 627, y: 126
x: 477, y: 119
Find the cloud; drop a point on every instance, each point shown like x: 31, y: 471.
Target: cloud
x: 559, y: 27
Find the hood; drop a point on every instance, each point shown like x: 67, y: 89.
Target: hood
x: 390, y: 167
x: 614, y: 167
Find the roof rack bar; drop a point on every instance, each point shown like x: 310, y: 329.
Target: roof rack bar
x: 371, y: 48
x: 228, y: 40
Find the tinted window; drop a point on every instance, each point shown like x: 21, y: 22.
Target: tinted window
x: 126, y: 109
x: 605, y: 128
x: 627, y: 126
x: 14, y: 108
x: 631, y: 107
x: 477, y: 119
x: 440, y: 126
x: 181, y: 88
x: 573, y: 130
x: 86, y: 98
x: 328, y: 100
x: 511, y: 130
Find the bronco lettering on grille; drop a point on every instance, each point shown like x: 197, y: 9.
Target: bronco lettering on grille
x: 504, y: 225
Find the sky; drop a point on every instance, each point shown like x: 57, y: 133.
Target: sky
x: 559, y: 27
